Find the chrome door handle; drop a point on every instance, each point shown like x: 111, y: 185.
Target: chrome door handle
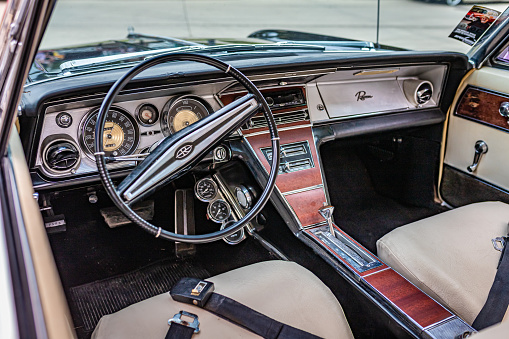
x: 480, y: 148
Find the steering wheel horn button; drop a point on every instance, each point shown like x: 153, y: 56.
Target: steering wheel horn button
x: 184, y: 151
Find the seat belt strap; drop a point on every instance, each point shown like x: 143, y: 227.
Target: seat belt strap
x: 200, y: 293
x: 496, y: 305
x: 178, y: 331
x: 183, y: 328
x: 252, y: 320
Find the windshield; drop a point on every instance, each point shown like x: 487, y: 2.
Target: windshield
x: 94, y: 32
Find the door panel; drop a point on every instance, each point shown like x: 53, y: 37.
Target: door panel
x: 475, y: 117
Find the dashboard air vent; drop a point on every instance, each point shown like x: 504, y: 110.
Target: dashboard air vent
x: 281, y: 118
x: 424, y: 93
x: 418, y: 92
x: 61, y: 156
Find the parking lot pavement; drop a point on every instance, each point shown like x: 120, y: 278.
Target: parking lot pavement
x: 411, y: 24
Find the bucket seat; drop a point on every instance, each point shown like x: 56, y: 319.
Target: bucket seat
x: 450, y: 256
x: 281, y: 290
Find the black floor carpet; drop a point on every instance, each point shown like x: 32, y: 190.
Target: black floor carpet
x: 125, y: 264
x: 360, y: 210
x: 99, y: 298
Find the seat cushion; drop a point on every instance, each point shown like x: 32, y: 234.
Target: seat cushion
x: 450, y: 255
x: 281, y: 290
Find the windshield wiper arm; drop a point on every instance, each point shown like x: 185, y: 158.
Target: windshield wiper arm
x: 91, y: 62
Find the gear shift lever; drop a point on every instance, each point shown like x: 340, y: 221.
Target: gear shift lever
x: 326, y: 212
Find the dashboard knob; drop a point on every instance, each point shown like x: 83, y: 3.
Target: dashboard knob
x: 504, y: 109
x: 62, y: 156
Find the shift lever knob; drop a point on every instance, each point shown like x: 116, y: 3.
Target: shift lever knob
x: 326, y: 212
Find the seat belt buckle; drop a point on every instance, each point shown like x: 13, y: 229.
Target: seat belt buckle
x: 177, y: 318
x: 192, y: 291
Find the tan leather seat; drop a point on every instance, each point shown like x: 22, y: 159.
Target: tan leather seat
x: 282, y: 290
x: 450, y: 255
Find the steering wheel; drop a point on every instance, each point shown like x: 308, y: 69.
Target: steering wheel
x: 176, y: 154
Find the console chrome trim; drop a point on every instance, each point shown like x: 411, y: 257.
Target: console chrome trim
x: 279, y: 130
x: 305, y: 189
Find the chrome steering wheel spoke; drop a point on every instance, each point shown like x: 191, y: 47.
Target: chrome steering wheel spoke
x: 185, y: 148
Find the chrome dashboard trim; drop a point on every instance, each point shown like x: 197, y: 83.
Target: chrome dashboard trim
x: 447, y: 328
x: 283, y: 75
x: 279, y: 130
x: 305, y: 189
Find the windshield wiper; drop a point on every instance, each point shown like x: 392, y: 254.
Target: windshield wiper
x: 73, y: 65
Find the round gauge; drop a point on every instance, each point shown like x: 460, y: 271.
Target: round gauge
x: 120, y: 136
x: 205, y: 189
x: 218, y: 210
x: 182, y: 112
x: 235, y: 238
x: 244, y: 197
x: 147, y: 114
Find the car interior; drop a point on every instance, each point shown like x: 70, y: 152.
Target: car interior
x: 376, y: 219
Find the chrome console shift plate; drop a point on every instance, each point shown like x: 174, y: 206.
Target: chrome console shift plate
x: 343, y: 247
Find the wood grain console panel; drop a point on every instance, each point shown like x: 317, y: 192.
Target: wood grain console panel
x: 306, y: 205
x: 482, y: 106
x: 287, y: 182
x: 408, y: 298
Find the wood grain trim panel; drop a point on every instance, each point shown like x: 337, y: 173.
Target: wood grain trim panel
x: 483, y: 106
x: 408, y: 298
x: 292, y: 181
x: 306, y: 205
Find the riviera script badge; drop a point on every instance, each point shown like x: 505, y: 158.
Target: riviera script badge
x: 361, y: 96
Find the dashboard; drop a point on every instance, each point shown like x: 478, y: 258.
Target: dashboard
x: 61, y: 148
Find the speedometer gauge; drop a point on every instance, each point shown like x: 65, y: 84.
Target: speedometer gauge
x: 120, y: 134
x: 182, y: 112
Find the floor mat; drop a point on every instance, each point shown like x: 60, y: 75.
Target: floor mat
x: 361, y: 211
x: 99, y: 298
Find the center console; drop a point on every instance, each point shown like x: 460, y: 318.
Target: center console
x: 301, y: 195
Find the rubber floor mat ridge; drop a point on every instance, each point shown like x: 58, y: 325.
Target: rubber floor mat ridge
x: 93, y: 300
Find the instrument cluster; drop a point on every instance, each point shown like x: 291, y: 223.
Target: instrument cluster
x: 131, y: 128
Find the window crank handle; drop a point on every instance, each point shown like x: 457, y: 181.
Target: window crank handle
x: 480, y: 148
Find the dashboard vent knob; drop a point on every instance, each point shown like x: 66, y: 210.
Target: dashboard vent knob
x: 424, y: 93
x: 418, y: 92
x: 61, y: 156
